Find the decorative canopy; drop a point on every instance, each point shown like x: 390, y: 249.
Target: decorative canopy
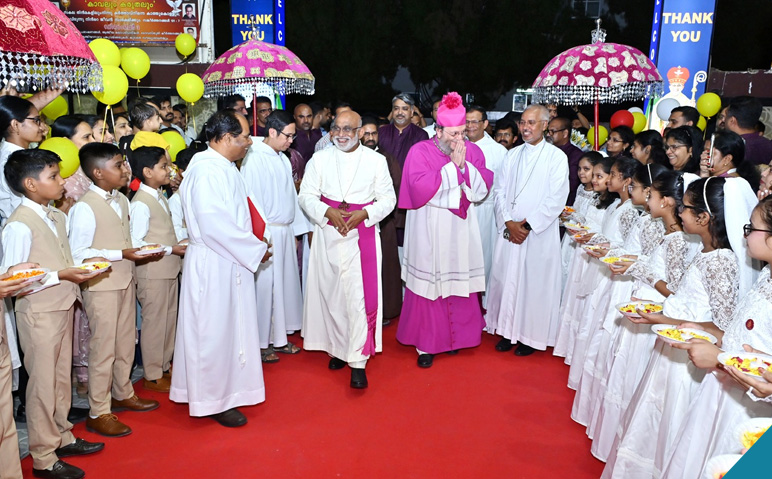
x: 40, y: 48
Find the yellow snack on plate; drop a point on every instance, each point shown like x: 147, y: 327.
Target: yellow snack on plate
x: 750, y: 437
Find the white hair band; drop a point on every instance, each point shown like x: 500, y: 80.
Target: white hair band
x: 705, y: 194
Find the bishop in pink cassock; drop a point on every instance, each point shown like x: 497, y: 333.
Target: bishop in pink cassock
x: 443, y: 266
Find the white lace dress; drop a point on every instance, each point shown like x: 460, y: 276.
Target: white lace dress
x: 619, y: 217
x: 667, y: 262
x: 584, y: 201
x: 708, y: 292
x: 607, y: 319
x: 721, y: 404
x: 576, y: 291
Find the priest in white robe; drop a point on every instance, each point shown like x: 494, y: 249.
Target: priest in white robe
x: 476, y: 123
x: 531, y: 191
x: 443, y: 267
x: 217, y: 364
x: 268, y: 174
x: 346, y: 192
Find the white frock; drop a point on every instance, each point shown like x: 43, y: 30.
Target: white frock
x: 585, y: 199
x: 708, y: 292
x: 721, y: 404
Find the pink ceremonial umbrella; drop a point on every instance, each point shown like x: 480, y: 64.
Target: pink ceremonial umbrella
x: 597, y: 73
x: 245, y: 67
x: 41, y: 48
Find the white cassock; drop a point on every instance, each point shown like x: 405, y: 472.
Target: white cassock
x: 268, y: 175
x: 524, y: 291
x: 217, y: 350
x: 486, y: 215
x: 334, y: 318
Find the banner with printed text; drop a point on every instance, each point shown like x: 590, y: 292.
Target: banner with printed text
x: 252, y: 19
x: 149, y: 22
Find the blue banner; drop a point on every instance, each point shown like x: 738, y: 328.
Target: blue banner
x: 253, y: 19
x: 278, y: 14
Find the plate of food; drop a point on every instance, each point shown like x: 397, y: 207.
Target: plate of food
x: 184, y: 242
x: 592, y: 247
x: 718, y: 466
x: 749, y: 363
x: 616, y: 259
x: 96, y: 266
x: 568, y: 210
x: 32, y: 275
x: 150, y: 249
x: 750, y: 431
x: 576, y: 227
x: 631, y: 308
x: 673, y: 335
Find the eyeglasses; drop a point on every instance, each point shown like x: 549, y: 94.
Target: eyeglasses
x: 552, y: 132
x: 682, y: 207
x: 673, y: 147
x: 36, y: 120
x: 291, y: 137
x: 370, y: 133
x: 474, y: 122
x: 748, y: 229
x: 453, y: 134
x: 346, y: 129
x: 504, y: 134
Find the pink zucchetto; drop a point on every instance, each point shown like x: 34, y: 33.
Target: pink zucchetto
x: 451, y: 111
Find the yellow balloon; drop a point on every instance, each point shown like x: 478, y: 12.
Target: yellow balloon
x: 702, y: 123
x: 639, y: 122
x: 185, y: 44
x: 708, y: 104
x: 135, y: 62
x: 55, y: 109
x: 190, y: 87
x: 116, y: 85
x: 602, y: 136
x: 176, y: 143
x: 68, y: 154
x: 106, y: 52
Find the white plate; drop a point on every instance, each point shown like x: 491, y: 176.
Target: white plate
x: 636, y: 303
x: 35, y: 279
x: 96, y: 269
x: 718, y: 465
x: 724, y: 358
x: 577, y: 228
x: 687, y: 333
x: 145, y: 252
x: 755, y: 425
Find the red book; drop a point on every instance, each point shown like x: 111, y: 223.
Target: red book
x: 258, y: 224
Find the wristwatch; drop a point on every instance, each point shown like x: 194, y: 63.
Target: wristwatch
x: 527, y: 226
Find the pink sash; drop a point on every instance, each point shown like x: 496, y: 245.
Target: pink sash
x: 368, y: 257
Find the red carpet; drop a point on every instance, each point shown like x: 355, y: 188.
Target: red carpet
x: 478, y: 414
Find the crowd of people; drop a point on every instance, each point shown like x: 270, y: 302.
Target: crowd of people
x: 334, y: 223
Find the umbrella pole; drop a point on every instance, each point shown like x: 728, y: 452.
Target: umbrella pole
x: 597, y: 135
x: 254, y: 112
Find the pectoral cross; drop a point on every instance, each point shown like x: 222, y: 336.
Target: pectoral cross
x: 343, y: 206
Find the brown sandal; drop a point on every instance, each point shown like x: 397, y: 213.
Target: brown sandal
x: 269, y: 355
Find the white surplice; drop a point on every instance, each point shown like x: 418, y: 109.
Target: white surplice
x: 334, y: 318
x: 525, y: 287
x: 268, y: 175
x: 485, y: 210
x: 217, y: 351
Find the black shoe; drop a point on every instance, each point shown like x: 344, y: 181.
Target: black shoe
x: 385, y: 322
x: 79, y: 448
x: 60, y: 470
x: 358, y: 378
x: 336, y: 363
x: 77, y: 414
x: 504, y: 345
x: 425, y: 360
x: 452, y: 352
x: 523, y: 350
x: 230, y: 418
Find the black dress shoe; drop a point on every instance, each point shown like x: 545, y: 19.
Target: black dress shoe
x: 230, y: 418
x: 60, y: 470
x: 504, y: 345
x: 358, y: 378
x: 77, y: 414
x: 425, y: 360
x: 79, y: 448
x: 523, y: 350
x: 452, y: 352
x: 336, y: 363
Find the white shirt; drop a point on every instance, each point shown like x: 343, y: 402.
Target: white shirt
x: 430, y: 130
x: 178, y: 219
x: 83, y: 227
x: 139, y: 224
x: 9, y: 200
x: 17, y: 243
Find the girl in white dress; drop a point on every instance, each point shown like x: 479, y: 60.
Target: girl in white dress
x: 616, y: 289
x: 708, y: 292
x: 577, y: 291
x: 657, y: 272
x: 721, y: 404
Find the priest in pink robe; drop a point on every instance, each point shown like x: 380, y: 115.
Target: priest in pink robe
x: 443, y: 266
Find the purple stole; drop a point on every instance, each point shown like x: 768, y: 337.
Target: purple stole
x: 368, y: 257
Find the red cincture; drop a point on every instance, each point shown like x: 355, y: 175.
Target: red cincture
x: 749, y: 324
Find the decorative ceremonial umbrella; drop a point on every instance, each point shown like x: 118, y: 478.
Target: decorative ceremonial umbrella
x: 246, y: 67
x: 595, y: 73
x: 41, y: 48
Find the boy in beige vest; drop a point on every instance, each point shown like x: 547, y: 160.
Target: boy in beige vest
x: 157, y: 287
x: 99, y: 230
x: 37, y: 232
